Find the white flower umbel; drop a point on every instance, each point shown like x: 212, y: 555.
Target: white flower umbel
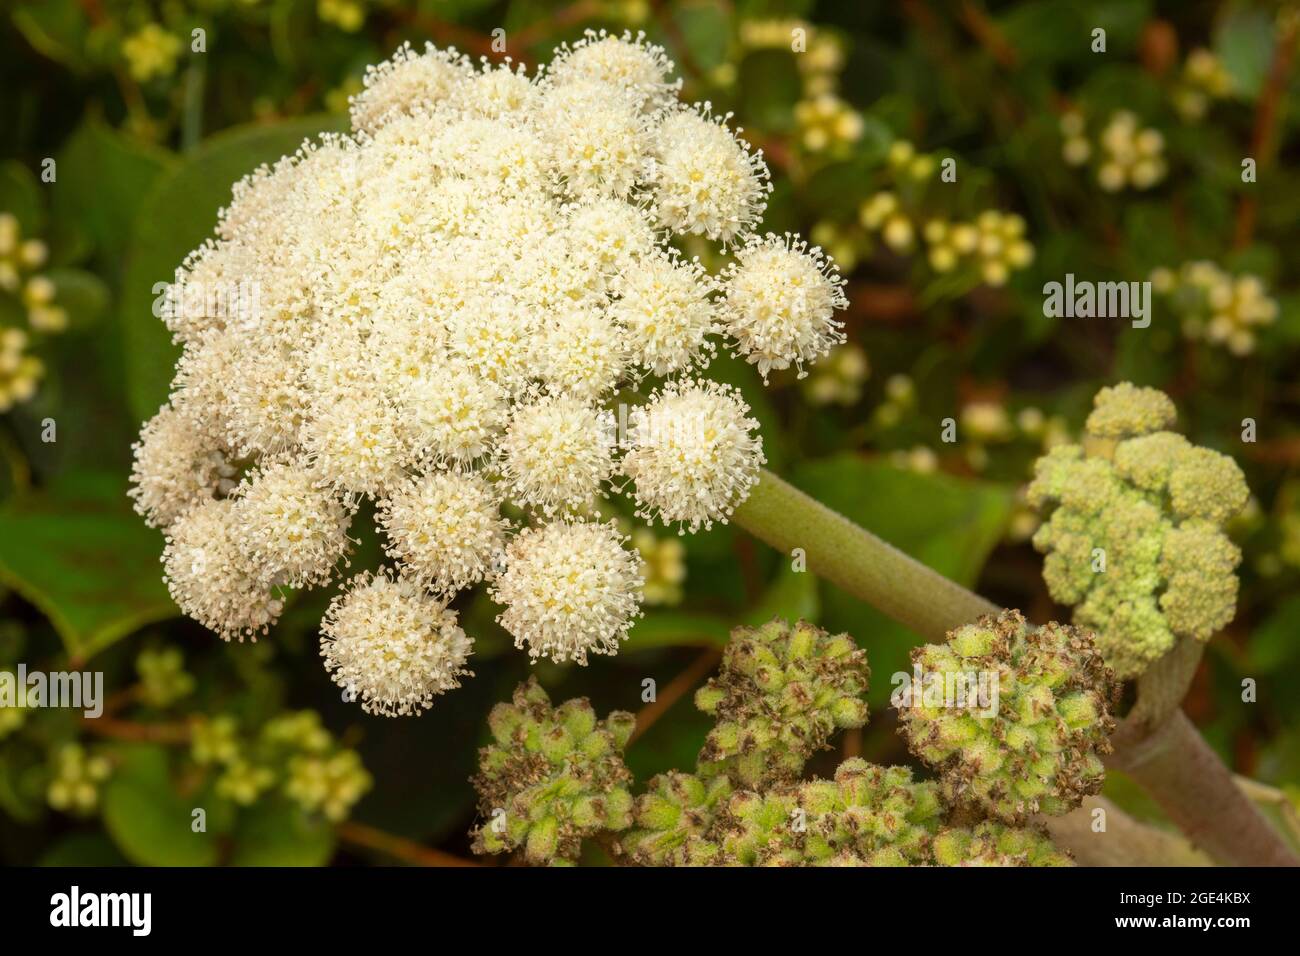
x: 694, y: 454
x: 570, y: 589
x: 781, y: 299
x: 441, y: 312
x: 175, y: 469
x: 291, y: 525
x: 556, y: 453
x: 706, y: 180
x: 392, y: 644
x: 212, y: 577
x: 624, y: 63
x: 444, y: 529
x: 665, y: 308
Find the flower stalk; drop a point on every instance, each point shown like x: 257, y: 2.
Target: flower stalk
x: 857, y: 561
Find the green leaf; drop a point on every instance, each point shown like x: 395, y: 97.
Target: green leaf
x: 1244, y: 41
x: 55, y: 28
x: 661, y: 628
x: 83, y: 849
x: 20, y: 195
x: 706, y: 28
x: 102, y: 177
x: 146, y: 817
x: 79, y: 554
x: 947, y: 523
x: 178, y: 214
x: 274, y: 832
x: 83, y: 294
x: 792, y: 597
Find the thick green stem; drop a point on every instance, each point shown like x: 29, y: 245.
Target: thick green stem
x: 1178, y: 768
x: 1124, y: 841
x: 857, y: 561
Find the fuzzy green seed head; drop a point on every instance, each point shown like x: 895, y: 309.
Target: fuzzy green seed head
x: 1014, y: 718
x: 163, y: 679
x: 675, y: 821
x: 781, y: 692
x: 551, y: 777
x: 866, y: 816
x: 1133, y: 535
x: 992, y: 844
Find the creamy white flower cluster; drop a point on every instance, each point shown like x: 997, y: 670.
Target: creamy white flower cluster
x: 445, y: 305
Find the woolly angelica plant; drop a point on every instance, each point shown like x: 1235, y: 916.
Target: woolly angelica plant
x: 448, y: 300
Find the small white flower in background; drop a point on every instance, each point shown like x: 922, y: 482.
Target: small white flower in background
x: 450, y: 305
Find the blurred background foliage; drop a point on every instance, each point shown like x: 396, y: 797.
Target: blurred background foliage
x: 126, y: 121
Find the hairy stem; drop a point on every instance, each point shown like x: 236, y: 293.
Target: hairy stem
x: 1178, y: 768
x: 1124, y: 842
x: 858, y: 561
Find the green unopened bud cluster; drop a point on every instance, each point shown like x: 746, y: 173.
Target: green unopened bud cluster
x: 992, y: 844
x: 866, y: 816
x: 1036, y: 746
x: 1135, y: 536
x: 551, y: 777
x: 163, y: 678
x: 75, y: 779
x: 676, y: 821
x: 293, y: 753
x: 782, y: 691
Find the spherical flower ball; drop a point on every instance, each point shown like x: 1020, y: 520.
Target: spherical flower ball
x: 570, y: 588
x: 706, y: 180
x: 360, y: 441
x: 391, y: 643
x: 609, y: 237
x: 211, y: 577
x: 492, y: 335
x: 292, y: 526
x: 455, y: 415
x: 175, y: 469
x: 406, y: 82
x: 555, y: 454
x: 445, y: 529
x: 694, y: 455
x: 605, y: 153
x: 666, y: 312
x: 781, y: 299
x: 582, y: 353
x: 494, y: 91
x: 627, y: 63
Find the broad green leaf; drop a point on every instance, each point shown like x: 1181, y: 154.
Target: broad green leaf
x: 706, y: 28
x: 792, y: 596
x: 947, y: 523
x: 55, y: 28
x: 82, y: 294
x: 274, y: 832
x: 1244, y: 41
x: 147, y: 818
x: 20, y: 196
x: 83, y: 849
x: 79, y: 554
x: 178, y: 214
x: 102, y: 177
x: 666, y: 628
